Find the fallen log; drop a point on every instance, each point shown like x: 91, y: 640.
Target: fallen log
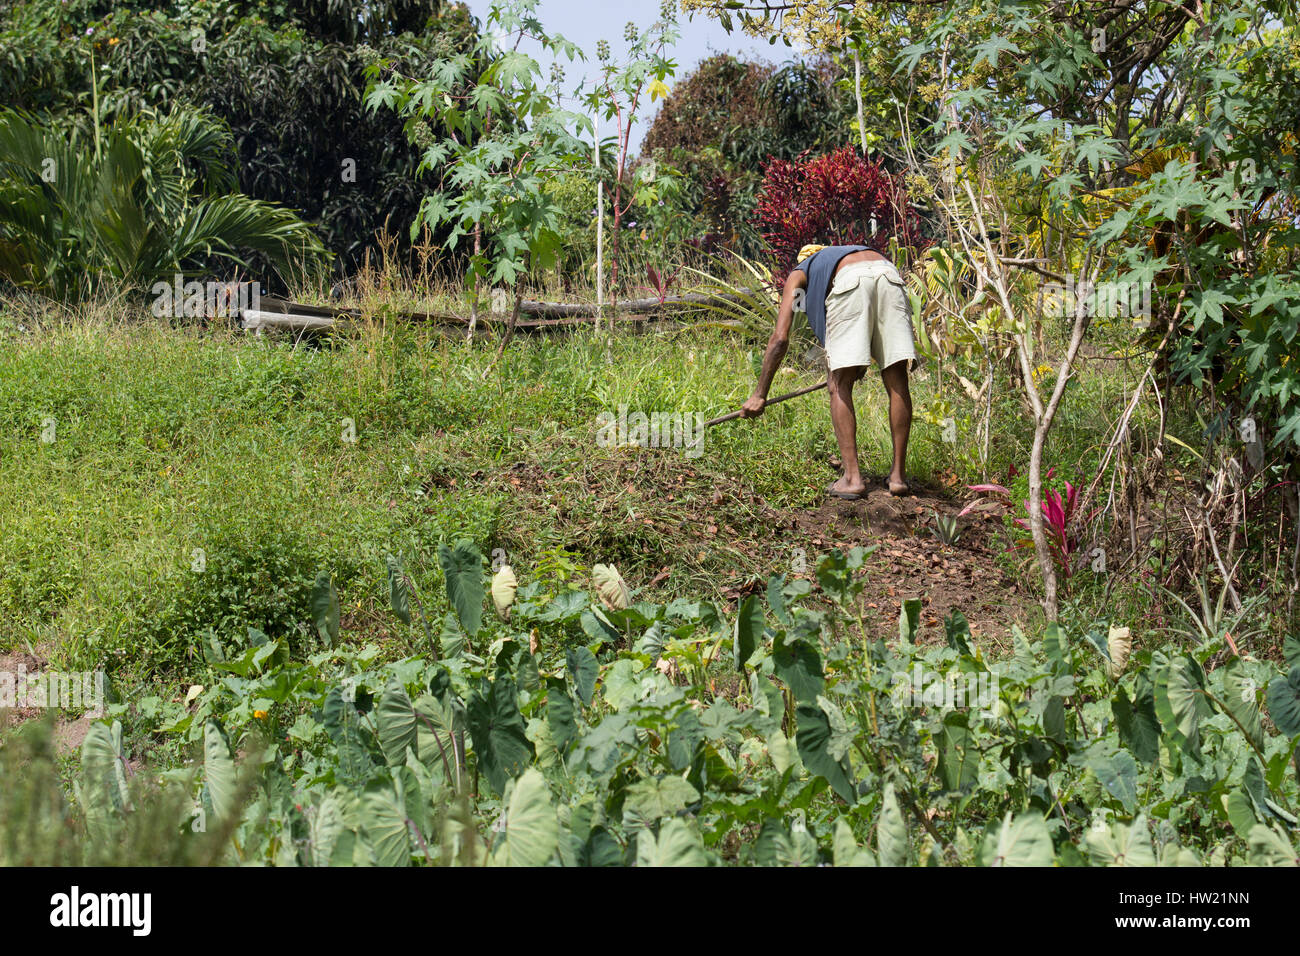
x: 274, y: 312
x: 255, y: 320
x: 566, y: 309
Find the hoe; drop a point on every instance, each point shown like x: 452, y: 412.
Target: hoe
x: 771, y: 401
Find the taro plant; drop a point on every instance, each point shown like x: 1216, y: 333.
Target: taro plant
x: 594, y: 730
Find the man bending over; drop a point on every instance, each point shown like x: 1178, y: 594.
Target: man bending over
x: 858, y: 309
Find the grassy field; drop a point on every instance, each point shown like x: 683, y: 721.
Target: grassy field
x: 158, y: 482
x: 165, y: 490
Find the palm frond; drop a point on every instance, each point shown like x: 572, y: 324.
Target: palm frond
x: 750, y: 303
x: 156, y: 202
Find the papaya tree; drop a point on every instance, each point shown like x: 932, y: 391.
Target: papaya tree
x: 508, y: 136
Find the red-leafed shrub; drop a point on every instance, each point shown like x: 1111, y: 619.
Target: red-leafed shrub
x: 830, y: 200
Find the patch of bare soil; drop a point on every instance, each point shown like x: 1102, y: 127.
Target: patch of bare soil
x: 911, y: 562
x: 69, y: 731
x: 668, y: 524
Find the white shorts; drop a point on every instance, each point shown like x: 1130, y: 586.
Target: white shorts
x: 868, y: 317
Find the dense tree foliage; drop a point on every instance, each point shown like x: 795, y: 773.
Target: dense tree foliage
x: 839, y: 199
x: 288, y: 78
x: 150, y: 199
x: 724, y: 120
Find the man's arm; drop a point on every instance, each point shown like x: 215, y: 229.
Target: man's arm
x: 776, y: 345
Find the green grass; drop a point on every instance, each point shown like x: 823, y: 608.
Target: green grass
x: 172, y: 441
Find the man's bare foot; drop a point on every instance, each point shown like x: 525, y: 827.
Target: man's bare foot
x: 846, y: 489
x: 897, y: 487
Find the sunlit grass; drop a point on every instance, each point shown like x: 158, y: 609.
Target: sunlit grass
x: 388, y: 439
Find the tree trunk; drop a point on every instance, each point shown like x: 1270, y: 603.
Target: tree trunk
x: 473, y: 305
x: 1082, y: 318
x: 857, y: 94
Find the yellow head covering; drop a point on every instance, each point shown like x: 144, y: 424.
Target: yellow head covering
x: 808, y: 250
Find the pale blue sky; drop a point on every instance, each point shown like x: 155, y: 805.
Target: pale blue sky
x: 583, y: 22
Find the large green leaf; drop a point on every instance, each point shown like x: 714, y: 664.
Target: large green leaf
x: 1136, y: 721
x: 891, y: 831
x: 437, y: 721
x: 1241, y: 811
x: 102, y: 788
x: 1241, y: 700
x: 383, y: 819
x: 845, y: 848
x: 103, y: 762
x: 813, y: 738
x: 1284, y: 702
x: 1057, y: 648
x: 1024, y: 841
x: 1118, y: 773
x: 959, y: 758
x: 594, y: 623
x: 776, y: 598
x: 748, y: 631
x: 399, y: 596
x: 462, y: 567
x: 1180, y: 699
x: 582, y: 843
x: 1271, y: 847
x: 582, y: 672
x: 343, y: 724
x: 676, y: 845
x: 776, y: 847
x: 560, y: 714
x: 1291, y: 651
x: 531, y: 830
x: 325, y: 608
x: 336, y: 812
x: 613, y: 590
x: 500, y: 743
x: 651, y: 643
x: 397, y: 722
x: 800, y: 666
x: 219, y: 771
x: 909, y: 619
x: 1121, y: 844
x: 956, y: 631
x: 654, y: 797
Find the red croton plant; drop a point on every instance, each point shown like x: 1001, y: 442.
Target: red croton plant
x: 1058, y: 518
x: 832, y: 200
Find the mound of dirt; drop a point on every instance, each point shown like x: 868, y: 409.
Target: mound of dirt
x: 668, y: 525
x: 911, y: 562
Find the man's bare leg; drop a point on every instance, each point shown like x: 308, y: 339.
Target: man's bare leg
x: 900, y: 422
x: 845, y: 421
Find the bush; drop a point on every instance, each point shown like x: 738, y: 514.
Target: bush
x: 251, y: 574
x: 286, y: 77
x: 833, y: 200
x: 723, y: 120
